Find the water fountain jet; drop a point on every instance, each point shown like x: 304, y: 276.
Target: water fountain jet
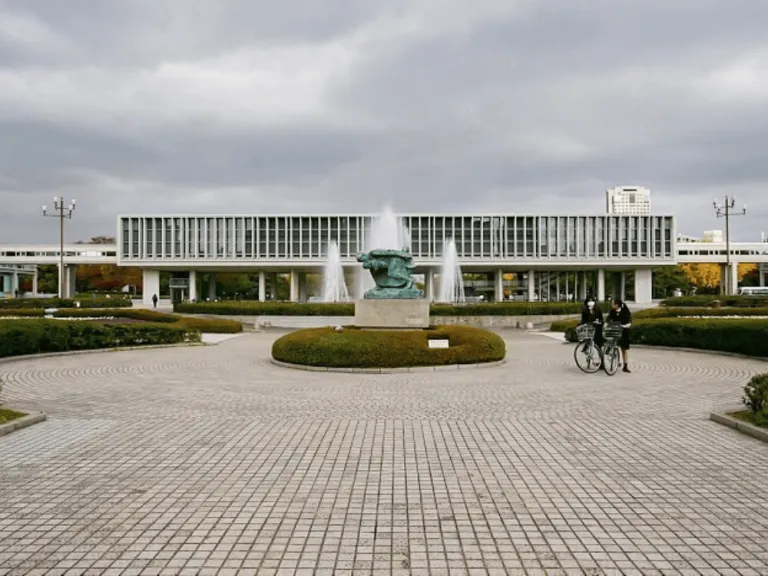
x: 451, y: 281
x: 334, y: 285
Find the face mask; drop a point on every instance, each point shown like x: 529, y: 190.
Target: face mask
x: 590, y: 305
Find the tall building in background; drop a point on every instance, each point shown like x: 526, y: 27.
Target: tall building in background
x: 628, y: 201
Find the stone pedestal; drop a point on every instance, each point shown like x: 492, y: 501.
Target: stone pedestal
x: 383, y: 313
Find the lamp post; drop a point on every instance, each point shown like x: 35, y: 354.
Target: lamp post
x: 61, y: 211
x: 725, y: 210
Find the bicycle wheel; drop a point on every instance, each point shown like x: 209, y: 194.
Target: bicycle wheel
x: 588, y: 357
x: 611, y: 360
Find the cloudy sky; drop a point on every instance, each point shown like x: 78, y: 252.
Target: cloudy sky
x: 346, y: 105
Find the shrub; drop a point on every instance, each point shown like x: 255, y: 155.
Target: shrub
x: 708, y: 300
x: 563, y: 325
x: 64, y: 303
x: 507, y: 309
x: 355, y: 348
x: 21, y: 312
x: 208, y: 325
x: 756, y: 394
x: 19, y: 337
x: 250, y: 308
x: 675, y: 312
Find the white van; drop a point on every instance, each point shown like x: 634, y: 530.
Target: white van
x: 753, y: 291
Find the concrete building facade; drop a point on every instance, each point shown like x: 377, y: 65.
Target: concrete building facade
x: 541, y: 250
x: 628, y: 201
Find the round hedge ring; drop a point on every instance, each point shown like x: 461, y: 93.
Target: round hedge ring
x: 352, y: 347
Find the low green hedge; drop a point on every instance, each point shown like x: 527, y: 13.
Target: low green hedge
x: 208, y: 325
x: 679, y: 311
x: 18, y: 303
x: 355, y: 348
x: 251, y: 308
x: 747, y: 336
x: 708, y: 300
x: 21, y: 312
x: 20, y: 337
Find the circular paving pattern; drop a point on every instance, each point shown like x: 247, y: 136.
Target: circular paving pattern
x: 215, y: 461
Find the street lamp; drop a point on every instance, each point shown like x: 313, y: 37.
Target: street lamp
x: 61, y: 211
x: 725, y: 210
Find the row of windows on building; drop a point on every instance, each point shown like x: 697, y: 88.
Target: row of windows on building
x: 475, y: 237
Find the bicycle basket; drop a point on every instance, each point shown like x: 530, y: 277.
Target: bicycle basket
x: 612, y: 332
x: 585, y: 332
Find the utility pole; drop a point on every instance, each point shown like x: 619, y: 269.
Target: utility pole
x: 725, y: 210
x: 61, y: 211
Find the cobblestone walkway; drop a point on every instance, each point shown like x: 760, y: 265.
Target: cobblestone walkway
x: 212, y: 461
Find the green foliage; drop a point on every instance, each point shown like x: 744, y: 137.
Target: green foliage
x: 564, y: 325
x: 741, y: 336
x: 355, y: 348
x: 507, y: 309
x: 708, y: 300
x: 19, y: 337
x: 8, y: 415
x: 21, y: 312
x: 756, y: 394
x: 251, y: 308
x: 207, y: 325
x: 64, y: 303
x: 679, y: 311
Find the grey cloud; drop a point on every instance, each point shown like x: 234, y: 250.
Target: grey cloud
x: 531, y: 110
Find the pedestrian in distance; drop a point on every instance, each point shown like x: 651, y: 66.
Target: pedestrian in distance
x: 154, y: 300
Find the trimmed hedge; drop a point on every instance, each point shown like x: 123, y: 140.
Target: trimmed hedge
x: 18, y: 303
x: 20, y: 337
x: 251, y: 308
x: 747, y: 336
x: 679, y: 311
x: 22, y: 312
x: 208, y: 325
x: 708, y: 300
x: 355, y: 348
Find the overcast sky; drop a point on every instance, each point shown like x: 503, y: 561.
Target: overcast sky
x: 346, y: 105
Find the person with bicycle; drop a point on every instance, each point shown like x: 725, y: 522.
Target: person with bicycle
x: 620, y: 313
x: 591, y: 314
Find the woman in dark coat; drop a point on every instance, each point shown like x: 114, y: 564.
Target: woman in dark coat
x: 590, y: 314
x: 620, y: 313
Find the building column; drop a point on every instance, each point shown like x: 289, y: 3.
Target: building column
x: 294, y: 290
x: 150, y: 286
x: 70, y: 281
x: 601, y: 285
x: 34, y: 284
x: 262, y: 286
x: 583, y: 285
x: 212, y: 287
x: 734, y: 278
x: 643, y: 286
x: 15, y: 283
x: 303, y: 296
x: 623, y: 286
x: 192, y: 296
x: 498, y: 286
x: 429, y: 284
x: 531, y: 285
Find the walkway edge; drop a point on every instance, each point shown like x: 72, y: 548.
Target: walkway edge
x: 23, y: 422
x: 451, y: 367
x: 97, y: 351
x: 740, y: 426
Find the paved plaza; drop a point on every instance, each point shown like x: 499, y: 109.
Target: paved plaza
x: 210, y: 460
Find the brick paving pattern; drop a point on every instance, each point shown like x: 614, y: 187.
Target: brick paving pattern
x: 212, y: 461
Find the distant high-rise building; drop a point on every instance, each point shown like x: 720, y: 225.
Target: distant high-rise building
x: 626, y: 200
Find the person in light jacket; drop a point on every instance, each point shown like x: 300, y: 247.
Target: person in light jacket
x: 621, y: 314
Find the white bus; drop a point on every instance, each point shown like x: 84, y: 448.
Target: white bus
x: 753, y: 291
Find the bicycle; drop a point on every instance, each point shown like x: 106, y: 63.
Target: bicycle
x: 611, y: 355
x: 587, y: 350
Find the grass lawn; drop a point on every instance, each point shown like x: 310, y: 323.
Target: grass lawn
x: 749, y: 416
x: 8, y: 415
